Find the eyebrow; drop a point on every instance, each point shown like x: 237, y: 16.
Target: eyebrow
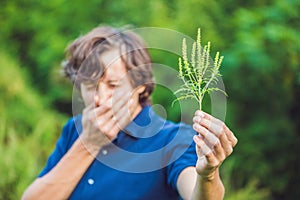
x: 113, y: 81
x: 110, y: 80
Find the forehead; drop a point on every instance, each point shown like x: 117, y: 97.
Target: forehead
x: 115, y: 68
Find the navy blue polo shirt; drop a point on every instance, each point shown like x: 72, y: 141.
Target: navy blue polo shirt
x: 143, y: 162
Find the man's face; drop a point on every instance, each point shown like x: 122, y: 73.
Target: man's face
x: 114, y: 80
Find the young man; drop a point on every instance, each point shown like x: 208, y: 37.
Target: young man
x: 119, y: 148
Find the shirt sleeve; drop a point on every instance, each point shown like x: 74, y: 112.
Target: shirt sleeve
x: 65, y: 141
x: 183, y: 153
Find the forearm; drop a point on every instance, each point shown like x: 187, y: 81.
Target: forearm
x: 63, y: 178
x: 209, y: 189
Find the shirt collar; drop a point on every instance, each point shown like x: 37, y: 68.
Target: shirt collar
x: 145, y: 124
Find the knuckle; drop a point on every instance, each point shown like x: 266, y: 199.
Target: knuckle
x: 222, y: 157
x: 196, y: 127
x: 224, y: 127
x: 218, y: 144
x: 103, y: 107
x: 197, y: 119
x: 214, y: 163
x: 207, y: 151
x: 109, y: 134
x: 220, y: 130
x: 107, y: 106
x: 235, y: 141
x: 97, y: 124
x: 90, y: 119
x: 105, y: 130
x: 229, y: 151
x: 199, y: 143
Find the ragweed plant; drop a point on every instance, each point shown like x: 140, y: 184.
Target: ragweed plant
x: 198, y: 74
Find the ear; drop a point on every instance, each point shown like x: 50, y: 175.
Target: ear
x: 141, y: 89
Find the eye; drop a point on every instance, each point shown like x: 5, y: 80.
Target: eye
x: 89, y: 86
x: 112, y: 85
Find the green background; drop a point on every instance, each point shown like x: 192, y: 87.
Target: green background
x: 261, y: 72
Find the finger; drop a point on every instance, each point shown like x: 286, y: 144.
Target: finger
x: 201, y: 163
x: 212, y: 160
x: 119, y: 94
x: 216, y: 128
x: 203, y: 148
x: 121, y: 102
x: 119, y: 124
x: 105, y: 127
x: 199, y: 113
x: 109, y: 125
x: 200, y: 154
x: 97, y: 109
x: 113, y: 127
x: 226, y: 144
x: 122, y: 107
x: 209, y: 138
x: 101, y: 111
x: 102, y: 116
x: 109, y: 130
x: 105, y: 102
x: 203, y: 114
x: 231, y: 137
x: 113, y: 132
x: 88, y: 108
x: 87, y: 113
x: 122, y: 117
x: 99, y: 122
x: 120, y: 97
x: 208, y: 117
x: 105, y: 113
x: 219, y: 151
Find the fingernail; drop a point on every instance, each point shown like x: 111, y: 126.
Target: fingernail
x: 195, y: 119
x: 198, y: 119
x: 197, y: 126
x: 199, y: 113
x: 196, y: 138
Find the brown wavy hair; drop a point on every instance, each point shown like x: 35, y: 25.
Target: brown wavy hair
x: 83, y: 58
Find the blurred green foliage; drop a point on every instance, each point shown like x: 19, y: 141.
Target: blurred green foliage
x: 261, y: 72
x: 28, y: 130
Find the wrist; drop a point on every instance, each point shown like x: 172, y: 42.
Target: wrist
x: 90, y: 146
x: 211, y: 176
